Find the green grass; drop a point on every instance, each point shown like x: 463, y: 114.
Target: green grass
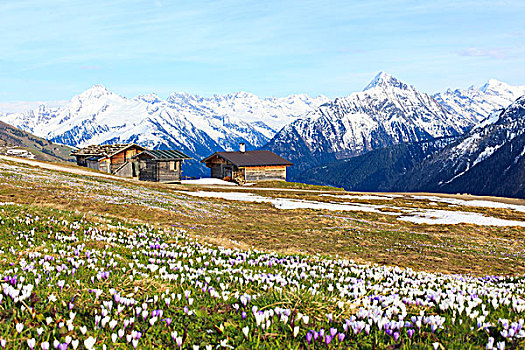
x: 295, y: 186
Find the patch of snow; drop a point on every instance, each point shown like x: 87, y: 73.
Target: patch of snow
x: 428, y: 216
x: 474, y: 203
x: 518, y: 157
x: 447, y: 217
x: 364, y: 196
x: 287, y: 203
x: 491, y: 119
x: 487, y: 152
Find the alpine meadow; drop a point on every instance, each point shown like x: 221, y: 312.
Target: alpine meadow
x: 262, y: 175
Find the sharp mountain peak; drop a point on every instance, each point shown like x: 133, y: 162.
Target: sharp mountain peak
x: 383, y: 79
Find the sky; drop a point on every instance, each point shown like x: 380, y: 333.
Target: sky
x: 51, y: 50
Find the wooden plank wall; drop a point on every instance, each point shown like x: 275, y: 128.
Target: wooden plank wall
x: 147, y: 170
x: 104, y: 165
x: 164, y: 174
x: 152, y: 170
x: 263, y: 173
x: 92, y: 164
x: 126, y: 170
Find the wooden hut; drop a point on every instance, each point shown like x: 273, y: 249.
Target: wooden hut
x: 247, y: 166
x: 160, y: 165
x: 114, y: 159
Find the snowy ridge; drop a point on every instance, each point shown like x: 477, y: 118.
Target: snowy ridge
x: 476, y: 104
x: 191, y: 123
x: 488, y: 160
x: 385, y: 113
x: 481, y: 143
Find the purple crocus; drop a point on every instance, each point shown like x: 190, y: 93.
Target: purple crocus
x: 396, y: 336
x: 333, y: 332
x: 243, y: 315
x: 341, y: 337
x: 309, y: 337
x: 327, y: 339
x: 410, y: 333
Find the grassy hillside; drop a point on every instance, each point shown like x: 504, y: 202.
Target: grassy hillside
x: 41, y: 148
x: 88, y: 263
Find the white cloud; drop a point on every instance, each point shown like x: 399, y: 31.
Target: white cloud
x: 478, y: 52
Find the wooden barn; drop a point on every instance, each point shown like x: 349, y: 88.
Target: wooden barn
x: 114, y: 159
x: 160, y: 166
x: 247, y: 166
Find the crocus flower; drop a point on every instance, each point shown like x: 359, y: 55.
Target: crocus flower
x: 333, y: 332
x: 327, y: 339
x: 309, y: 337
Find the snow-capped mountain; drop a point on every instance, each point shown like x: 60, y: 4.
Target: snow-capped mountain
x: 476, y: 104
x: 489, y: 160
x: 386, y: 112
x: 197, y: 126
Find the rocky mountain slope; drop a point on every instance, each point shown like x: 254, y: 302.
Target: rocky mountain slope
x: 377, y: 170
x: 489, y: 160
x: 385, y: 113
x: 195, y: 125
x: 16, y: 142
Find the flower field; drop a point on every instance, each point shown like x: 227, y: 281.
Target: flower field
x: 81, y: 277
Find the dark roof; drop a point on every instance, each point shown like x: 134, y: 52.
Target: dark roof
x: 103, y: 150
x: 250, y: 158
x: 164, y: 154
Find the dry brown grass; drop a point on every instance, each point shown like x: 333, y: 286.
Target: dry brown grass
x: 363, y: 237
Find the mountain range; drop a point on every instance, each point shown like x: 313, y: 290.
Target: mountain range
x: 476, y: 104
x: 385, y: 113
x: 197, y: 126
x: 487, y: 160
x: 310, y: 131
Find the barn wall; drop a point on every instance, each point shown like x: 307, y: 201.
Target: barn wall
x: 265, y: 173
x: 147, y: 170
x: 125, y: 171
x: 104, y: 166
x: 221, y: 170
x: 117, y: 158
x: 92, y: 164
x: 164, y: 172
x: 130, y: 153
x: 120, y: 158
